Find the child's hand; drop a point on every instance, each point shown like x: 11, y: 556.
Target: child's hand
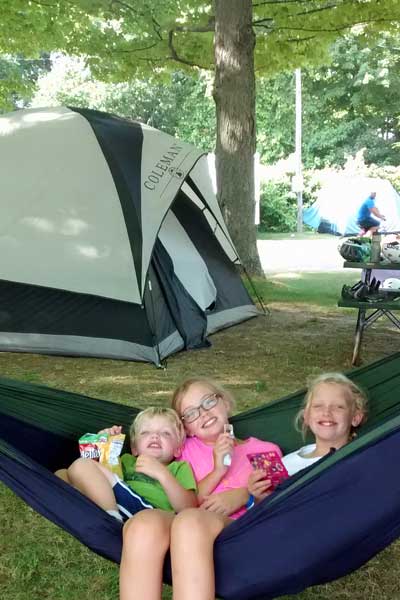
x: 223, y: 445
x: 150, y: 466
x: 114, y: 430
x: 223, y: 503
x: 258, y: 486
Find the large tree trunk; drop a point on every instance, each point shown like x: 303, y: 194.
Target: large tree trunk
x: 234, y: 95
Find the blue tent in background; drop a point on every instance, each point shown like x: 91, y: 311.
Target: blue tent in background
x: 335, y: 210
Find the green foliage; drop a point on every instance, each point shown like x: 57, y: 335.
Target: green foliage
x: 351, y: 103
x: 180, y: 105
x: 275, y: 117
x: 278, y: 204
x: 122, y: 40
x: 390, y: 173
x: 277, y: 207
x: 18, y: 77
x: 361, y: 108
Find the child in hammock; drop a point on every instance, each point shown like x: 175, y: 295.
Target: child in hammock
x: 204, y: 408
x: 152, y: 478
x: 334, y: 407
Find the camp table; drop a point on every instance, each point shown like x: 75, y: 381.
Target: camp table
x: 378, y: 309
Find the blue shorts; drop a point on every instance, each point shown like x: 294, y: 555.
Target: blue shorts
x: 129, y: 502
x: 368, y: 222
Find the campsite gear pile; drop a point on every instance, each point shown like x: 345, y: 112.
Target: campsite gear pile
x: 113, y: 243
x: 355, y: 249
x: 338, y: 487
x: 362, y: 291
x: 373, y: 291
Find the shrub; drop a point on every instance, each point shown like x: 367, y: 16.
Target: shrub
x: 278, y: 207
x: 278, y: 204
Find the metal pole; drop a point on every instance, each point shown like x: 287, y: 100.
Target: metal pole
x: 299, y: 175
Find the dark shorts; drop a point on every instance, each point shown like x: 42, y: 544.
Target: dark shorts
x: 368, y: 223
x: 129, y: 502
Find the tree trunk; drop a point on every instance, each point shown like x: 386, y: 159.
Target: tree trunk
x: 234, y: 95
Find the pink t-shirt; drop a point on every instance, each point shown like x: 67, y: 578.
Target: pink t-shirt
x: 200, y: 456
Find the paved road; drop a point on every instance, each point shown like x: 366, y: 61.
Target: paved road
x: 300, y: 255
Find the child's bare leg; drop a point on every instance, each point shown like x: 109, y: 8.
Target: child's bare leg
x: 192, y: 543
x: 146, y: 538
x: 62, y: 474
x: 94, y: 481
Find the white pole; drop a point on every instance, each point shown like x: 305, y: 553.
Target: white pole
x: 257, y: 188
x: 299, y: 175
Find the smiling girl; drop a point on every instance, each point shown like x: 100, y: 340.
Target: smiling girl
x: 334, y: 408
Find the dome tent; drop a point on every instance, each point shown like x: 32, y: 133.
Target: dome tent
x: 112, y: 240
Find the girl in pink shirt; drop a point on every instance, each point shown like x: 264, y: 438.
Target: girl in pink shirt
x: 222, y: 471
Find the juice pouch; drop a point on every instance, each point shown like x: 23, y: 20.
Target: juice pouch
x: 271, y: 463
x: 110, y: 451
x: 89, y: 445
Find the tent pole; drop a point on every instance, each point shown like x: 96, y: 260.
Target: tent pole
x: 265, y: 308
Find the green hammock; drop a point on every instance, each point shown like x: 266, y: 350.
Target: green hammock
x: 339, y: 495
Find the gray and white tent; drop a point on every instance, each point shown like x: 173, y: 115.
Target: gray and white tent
x: 111, y: 238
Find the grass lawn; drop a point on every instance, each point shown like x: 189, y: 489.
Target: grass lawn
x: 265, y: 358
x: 317, y: 289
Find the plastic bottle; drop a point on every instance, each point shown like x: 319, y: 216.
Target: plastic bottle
x: 227, y: 459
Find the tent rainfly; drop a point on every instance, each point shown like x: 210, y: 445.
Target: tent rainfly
x: 112, y: 241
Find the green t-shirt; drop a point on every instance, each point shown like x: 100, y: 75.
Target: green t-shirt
x: 151, y: 489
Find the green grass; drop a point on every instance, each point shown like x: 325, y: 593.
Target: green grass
x: 310, y: 288
x: 259, y: 360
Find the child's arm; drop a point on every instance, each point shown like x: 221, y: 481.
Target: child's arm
x: 223, y: 446
x: 178, y: 496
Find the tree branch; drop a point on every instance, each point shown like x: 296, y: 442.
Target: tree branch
x: 127, y: 6
x: 328, y: 30
x: 268, y: 2
x: 175, y: 56
x: 118, y: 51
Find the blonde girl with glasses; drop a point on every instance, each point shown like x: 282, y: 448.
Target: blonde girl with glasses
x: 222, y: 469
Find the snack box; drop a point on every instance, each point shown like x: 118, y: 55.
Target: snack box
x: 271, y: 463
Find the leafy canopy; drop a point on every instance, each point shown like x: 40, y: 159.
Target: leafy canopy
x: 126, y: 38
x: 349, y: 104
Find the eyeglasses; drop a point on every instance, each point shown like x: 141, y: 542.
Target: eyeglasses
x: 191, y: 414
